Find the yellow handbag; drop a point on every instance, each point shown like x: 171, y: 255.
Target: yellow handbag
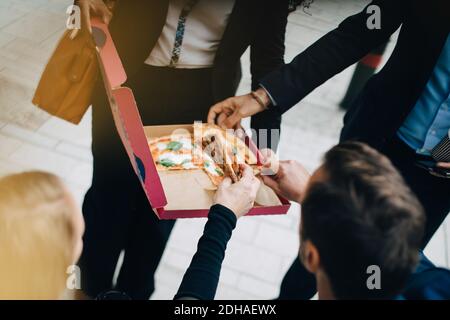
x: 67, y: 83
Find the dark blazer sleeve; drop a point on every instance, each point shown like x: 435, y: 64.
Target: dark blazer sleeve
x: 267, y: 46
x: 334, y: 52
x: 202, y: 277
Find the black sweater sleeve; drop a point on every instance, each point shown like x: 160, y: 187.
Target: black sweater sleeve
x: 267, y: 46
x: 202, y: 277
x: 334, y: 52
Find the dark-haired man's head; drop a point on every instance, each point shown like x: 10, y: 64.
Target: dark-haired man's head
x: 361, y: 225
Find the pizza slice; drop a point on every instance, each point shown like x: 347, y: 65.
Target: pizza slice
x: 173, y: 152
x: 214, y: 145
x: 226, y: 149
x: 214, y: 171
x: 180, y: 152
x: 240, y: 153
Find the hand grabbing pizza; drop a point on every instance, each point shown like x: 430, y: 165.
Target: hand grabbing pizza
x: 289, y: 181
x: 239, y: 197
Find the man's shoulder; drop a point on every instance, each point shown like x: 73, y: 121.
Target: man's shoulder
x: 430, y: 284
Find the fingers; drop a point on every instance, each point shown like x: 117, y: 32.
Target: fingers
x: 224, y: 114
x: 103, y: 12
x: 271, y: 183
x: 247, y: 172
x: 249, y: 178
x: 214, y: 111
x: 271, y: 164
x: 221, y: 118
x: 217, y: 110
x: 98, y: 8
x: 239, y: 128
x: 232, y: 121
x: 268, y: 157
x: 445, y: 165
x: 226, y: 183
x: 267, y: 154
x: 256, y: 184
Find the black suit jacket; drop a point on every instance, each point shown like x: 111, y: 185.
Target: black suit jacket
x: 260, y: 25
x: 390, y: 95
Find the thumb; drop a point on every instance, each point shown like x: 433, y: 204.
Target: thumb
x: 247, y: 172
x: 105, y: 13
x: 271, y: 183
x: 226, y: 183
x: 232, y: 120
x: 268, y: 157
x: 214, y: 112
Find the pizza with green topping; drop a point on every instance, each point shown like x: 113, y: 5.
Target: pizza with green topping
x: 210, y: 149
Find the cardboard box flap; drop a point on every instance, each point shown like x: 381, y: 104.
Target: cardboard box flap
x: 127, y: 118
x: 112, y: 65
x: 129, y: 125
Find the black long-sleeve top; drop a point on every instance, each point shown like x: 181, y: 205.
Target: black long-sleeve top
x: 202, y: 277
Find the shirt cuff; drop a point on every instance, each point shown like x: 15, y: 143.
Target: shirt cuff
x: 224, y: 212
x: 272, y: 100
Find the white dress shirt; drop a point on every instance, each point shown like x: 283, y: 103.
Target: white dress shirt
x: 205, y: 26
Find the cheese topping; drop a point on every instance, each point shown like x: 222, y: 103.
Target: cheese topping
x: 187, y: 143
x: 161, y: 146
x: 211, y: 166
x: 175, y: 158
x: 189, y: 165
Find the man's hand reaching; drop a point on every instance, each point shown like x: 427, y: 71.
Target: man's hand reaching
x: 290, y: 181
x: 240, y: 196
x: 229, y: 113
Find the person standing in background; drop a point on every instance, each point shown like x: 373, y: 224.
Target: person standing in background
x: 181, y: 56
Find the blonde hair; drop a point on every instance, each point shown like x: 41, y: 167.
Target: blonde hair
x: 36, y: 236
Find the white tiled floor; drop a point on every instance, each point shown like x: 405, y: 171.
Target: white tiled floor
x: 262, y: 248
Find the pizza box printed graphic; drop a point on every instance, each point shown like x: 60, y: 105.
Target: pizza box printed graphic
x: 171, y: 194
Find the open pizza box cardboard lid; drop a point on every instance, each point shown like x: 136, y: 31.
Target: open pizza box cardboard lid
x: 172, y: 194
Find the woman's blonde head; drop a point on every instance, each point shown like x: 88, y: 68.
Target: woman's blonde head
x: 37, y: 236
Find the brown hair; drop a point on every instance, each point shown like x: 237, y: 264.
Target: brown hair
x: 363, y: 214
x: 36, y: 236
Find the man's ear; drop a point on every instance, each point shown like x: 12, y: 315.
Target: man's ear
x: 310, y: 256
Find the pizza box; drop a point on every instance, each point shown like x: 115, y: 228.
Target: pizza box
x: 171, y: 194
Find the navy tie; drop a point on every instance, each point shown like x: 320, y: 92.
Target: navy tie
x: 180, y: 31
